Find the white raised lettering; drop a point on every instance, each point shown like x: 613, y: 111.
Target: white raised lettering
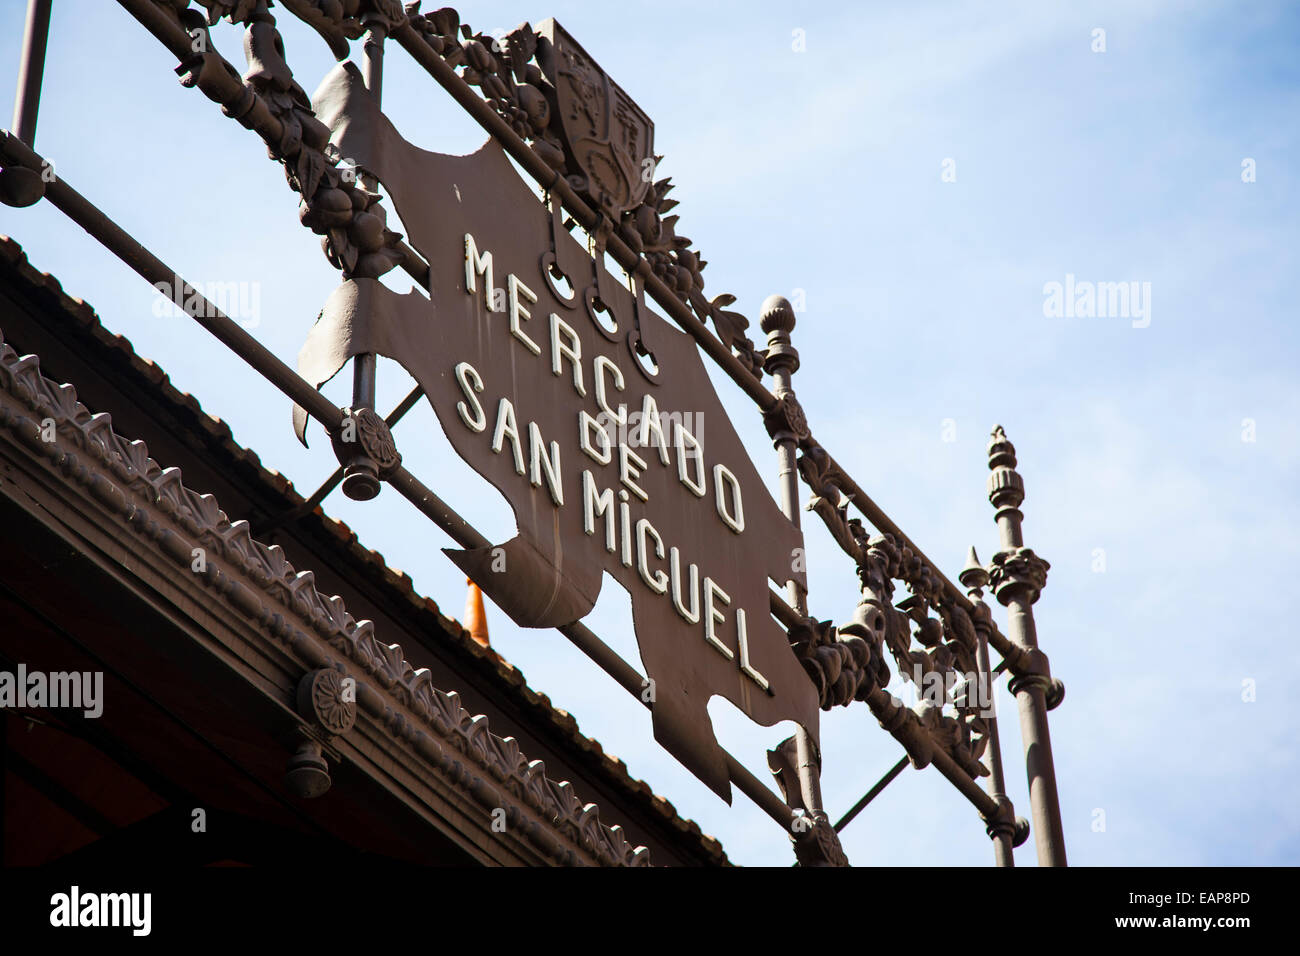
x: 726, y: 486
x: 689, y: 449
x: 652, y: 428
x: 588, y: 426
x: 548, y: 465
x: 470, y: 382
x: 691, y: 614
x: 570, y: 349
x: 508, y: 428
x: 630, y: 466
x: 476, y: 265
x: 657, y: 582
x: 714, y: 617
x: 602, y: 365
x: 513, y: 288
x: 598, y: 504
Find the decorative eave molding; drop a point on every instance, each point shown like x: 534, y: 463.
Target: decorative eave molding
x: 285, y: 604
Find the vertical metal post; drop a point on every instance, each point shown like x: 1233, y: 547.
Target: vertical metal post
x: 360, y: 477
x: 781, y: 363
x: 974, y: 578
x: 31, y: 70
x: 1018, y: 576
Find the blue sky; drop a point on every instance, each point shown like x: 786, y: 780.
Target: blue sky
x: 821, y: 171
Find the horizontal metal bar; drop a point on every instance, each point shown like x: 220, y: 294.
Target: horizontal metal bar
x: 764, y: 797
x: 979, y: 798
x: 872, y: 793
x: 782, y: 611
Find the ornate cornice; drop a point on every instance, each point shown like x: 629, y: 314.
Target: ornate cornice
x: 259, y: 583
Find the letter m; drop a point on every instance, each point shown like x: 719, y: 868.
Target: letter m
x: 476, y: 265
x: 65, y: 688
x: 117, y: 904
x: 1112, y: 299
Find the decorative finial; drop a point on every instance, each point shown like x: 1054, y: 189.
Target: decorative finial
x: 1001, y: 452
x: 781, y: 359
x: 973, y: 576
x: 776, y: 315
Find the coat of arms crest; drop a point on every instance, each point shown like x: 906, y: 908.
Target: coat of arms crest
x: 606, y: 134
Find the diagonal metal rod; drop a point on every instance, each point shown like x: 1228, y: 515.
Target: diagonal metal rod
x: 871, y: 794
x: 158, y: 274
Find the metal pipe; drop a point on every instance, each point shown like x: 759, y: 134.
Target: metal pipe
x: 1003, y: 854
x: 364, y: 366
x: 905, y: 727
x: 109, y: 234
x: 1019, y: 578
x: 778, y: 321
x: 871, y: 794
x: 31, y: 70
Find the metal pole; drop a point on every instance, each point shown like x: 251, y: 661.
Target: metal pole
x: 360, y: 477
x: 31, y: 70
x: 782, y: 361
x: 372, y: 72
x: 975, y: 578
x: 1018, y: 576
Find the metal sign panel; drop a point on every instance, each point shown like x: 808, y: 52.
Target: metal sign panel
x: 602, y: 430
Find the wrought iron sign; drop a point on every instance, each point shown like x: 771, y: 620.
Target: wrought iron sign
x: 591, y: 412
